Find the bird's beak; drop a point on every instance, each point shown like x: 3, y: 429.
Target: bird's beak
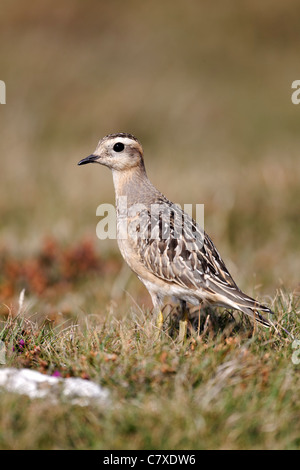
x: 90, y: 159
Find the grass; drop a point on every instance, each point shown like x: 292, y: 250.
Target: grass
x: 207, y: 90
x: 226, y: 386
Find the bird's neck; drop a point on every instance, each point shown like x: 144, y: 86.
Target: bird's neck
x: 134, y: 185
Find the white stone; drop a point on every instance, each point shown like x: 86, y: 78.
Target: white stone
x: 36, y: 385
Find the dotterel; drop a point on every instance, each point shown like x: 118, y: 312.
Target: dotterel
x: 165, y: 247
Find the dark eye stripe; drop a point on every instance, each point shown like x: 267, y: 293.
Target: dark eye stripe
x: 118, y: 147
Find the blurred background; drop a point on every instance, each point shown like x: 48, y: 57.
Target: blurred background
x: 206, y: 88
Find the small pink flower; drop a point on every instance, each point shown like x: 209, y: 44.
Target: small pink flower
x: 19, y: 346
x: 56, y: 373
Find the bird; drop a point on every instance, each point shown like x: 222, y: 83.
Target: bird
x: 163, y: 245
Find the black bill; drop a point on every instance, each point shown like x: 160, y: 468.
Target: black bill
x: 90, y: 159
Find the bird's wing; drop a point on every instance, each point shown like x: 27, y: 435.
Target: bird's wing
x: 173, y: 247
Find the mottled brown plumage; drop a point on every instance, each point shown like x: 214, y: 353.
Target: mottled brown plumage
x: 162, y: 244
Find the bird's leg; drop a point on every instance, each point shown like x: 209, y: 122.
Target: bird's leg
x: 159, y: 320
x: 157, y: 309
x: 183, y: 321
x: 183, y: 310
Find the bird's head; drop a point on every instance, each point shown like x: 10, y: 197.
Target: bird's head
x: 118, y: 152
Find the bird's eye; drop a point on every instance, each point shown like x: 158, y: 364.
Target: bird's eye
x: 118, y: 147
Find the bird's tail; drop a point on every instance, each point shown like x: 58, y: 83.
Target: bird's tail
x: 255, y: 313
x: 233, y: 297
x: 236, y: 299
x: 253, y: 309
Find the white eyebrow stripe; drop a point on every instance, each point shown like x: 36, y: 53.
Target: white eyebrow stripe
x: 124, y: 140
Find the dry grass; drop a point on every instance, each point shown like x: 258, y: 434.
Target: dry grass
x: 220, y: 388
x: 206, y: 88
